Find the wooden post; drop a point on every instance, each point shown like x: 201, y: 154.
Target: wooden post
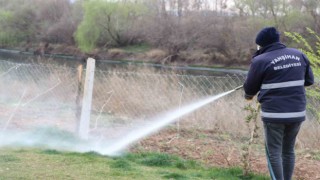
x: 78, y: 97
x: 87, y: 100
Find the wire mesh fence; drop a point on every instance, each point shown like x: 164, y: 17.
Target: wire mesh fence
x: 34, y: 96
x: 49, y: 94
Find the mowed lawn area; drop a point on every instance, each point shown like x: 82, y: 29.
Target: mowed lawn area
x: 52, y: 164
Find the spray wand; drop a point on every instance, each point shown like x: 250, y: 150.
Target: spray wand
x: 237, y: 88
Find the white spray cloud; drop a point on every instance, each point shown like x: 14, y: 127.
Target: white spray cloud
x: 54, y: 138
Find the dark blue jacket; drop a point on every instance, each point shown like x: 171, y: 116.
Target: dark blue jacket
x: 280, y: 74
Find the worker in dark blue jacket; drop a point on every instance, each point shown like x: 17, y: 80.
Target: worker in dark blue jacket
x: 279, y: 74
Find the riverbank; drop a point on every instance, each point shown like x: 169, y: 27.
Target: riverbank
x: 140, y: 54
x: 130, y: 59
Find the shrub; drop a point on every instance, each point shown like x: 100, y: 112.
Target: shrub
x: 313, y: 54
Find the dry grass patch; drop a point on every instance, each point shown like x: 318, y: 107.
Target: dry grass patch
x: 156, y: 54
x: 116, y: 53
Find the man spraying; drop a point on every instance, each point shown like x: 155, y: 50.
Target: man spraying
x: 280, y: 74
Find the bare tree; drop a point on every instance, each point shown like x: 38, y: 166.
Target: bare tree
x: 312, y: 7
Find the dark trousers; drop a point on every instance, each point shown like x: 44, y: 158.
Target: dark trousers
x: 280, y: 140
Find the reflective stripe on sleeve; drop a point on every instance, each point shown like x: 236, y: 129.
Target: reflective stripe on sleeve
x: 283, y: 115
x: 283, y: 84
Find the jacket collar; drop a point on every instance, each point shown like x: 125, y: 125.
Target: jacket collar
x: 271, y: 47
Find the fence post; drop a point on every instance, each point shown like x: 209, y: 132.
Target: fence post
x: 78, y: 97
x: 87, y: 100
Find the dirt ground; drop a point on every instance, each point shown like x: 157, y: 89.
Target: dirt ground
x: 214, y: 150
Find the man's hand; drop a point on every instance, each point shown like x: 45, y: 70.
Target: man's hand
x: 248, y: 97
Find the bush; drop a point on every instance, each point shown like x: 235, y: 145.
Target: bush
x: 17, y: 26
x: 313, y: 54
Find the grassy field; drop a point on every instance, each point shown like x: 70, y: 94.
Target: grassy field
x: 52, y: 164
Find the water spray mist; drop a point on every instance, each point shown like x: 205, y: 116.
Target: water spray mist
x: 158, y: 123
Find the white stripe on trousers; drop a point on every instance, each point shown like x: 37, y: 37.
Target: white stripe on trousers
x: 283, y: 115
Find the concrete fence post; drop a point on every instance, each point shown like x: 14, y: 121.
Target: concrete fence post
x: 84, y: 124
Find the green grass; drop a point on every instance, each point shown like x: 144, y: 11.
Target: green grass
x: 52, y: 164
x: 315, y: 155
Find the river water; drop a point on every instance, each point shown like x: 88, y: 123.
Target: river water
x: 73, y: 62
